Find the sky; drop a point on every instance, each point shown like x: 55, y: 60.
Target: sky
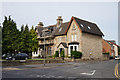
x: 104, y: 14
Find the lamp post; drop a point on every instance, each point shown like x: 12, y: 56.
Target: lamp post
x: 44, y: 46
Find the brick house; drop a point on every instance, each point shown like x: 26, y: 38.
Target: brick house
x: 106, y: 47
x: 77, y: 34
x: 114, y: 48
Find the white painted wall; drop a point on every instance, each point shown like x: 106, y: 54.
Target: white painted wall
x: 116, y: 50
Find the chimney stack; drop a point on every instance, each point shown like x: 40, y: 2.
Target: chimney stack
x: 59, y: 21
x: 40, y: 24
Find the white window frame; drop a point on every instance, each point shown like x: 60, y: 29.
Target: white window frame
x: 75, y: 37
x: 73, y: 48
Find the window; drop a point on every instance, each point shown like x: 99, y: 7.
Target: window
x: 89, y: 27
x: 75, y: 37
x: 59, y: 39
x: 49, y: 50
x: 60, y: 29
x: 71, y: 48
x: 75, y: 48
x: 81, y: 25
x: 73, y: 26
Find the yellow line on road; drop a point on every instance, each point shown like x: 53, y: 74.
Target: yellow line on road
x: 116, y: 71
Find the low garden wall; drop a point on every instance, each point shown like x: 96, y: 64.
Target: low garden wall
x: 28, y: 62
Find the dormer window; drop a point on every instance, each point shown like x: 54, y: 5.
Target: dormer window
x: 81, y: 25
x: 60, y: 29
x: 89, y: 27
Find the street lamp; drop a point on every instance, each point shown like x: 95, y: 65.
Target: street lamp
x: 44, y: 46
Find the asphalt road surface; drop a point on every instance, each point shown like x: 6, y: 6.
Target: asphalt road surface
x: 91, y: 69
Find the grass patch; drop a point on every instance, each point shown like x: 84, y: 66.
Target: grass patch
x: 35, y: 59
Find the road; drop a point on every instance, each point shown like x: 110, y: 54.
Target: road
x: 91, y: 69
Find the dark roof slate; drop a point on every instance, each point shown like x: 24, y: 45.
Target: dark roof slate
x: 61, y: 30
x: 64, y: 26
x: 88, y: 27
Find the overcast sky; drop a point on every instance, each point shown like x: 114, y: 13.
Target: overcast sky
x: 104, y: 14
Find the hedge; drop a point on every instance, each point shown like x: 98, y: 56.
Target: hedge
x: 62, y: 54
x: 76, y: 54
x: 106, y: 53
x: 56, y: 54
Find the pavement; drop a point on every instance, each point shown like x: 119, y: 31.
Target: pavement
x: 90, y: 69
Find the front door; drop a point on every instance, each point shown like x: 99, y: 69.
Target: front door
x: 61, y: 49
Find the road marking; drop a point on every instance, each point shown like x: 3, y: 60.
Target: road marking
x: 10, y: 68
x: 93, y: 72
x: 60, y: 77
x: 116, y: 71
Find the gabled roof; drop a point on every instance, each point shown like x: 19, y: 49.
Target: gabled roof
x: 64, y: 45
x: 61, y: 30
x: 112, y: 42
x: 86, y: 26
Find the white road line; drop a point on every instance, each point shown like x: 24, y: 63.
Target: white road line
x: 93, y: 72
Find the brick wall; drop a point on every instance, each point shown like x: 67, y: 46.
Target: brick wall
x: 106, y: 47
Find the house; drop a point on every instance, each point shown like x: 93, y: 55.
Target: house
x: 114, y: 48
x: 77, y: 34
x: 106, y: 47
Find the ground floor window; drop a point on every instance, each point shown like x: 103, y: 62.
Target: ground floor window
x: 49, y: 51
x: 73, y: 47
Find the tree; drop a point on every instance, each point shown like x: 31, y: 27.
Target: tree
x: 21, y: 40
x: 25, y: 39
x: 34, y: 41
x: 9, y: 36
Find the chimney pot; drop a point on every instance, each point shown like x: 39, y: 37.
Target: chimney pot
x: 59, y: 21
x: 40, y: 24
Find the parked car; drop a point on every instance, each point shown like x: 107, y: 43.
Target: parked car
x: 117, y: 57
x: 7, y: 56
x: 3, y: 56
x: 20, y: 56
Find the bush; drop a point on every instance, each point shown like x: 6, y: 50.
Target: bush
x: 76, y: 54
x: 106, y: 53
x: 118, y: 53
x: 50, y: 56
x: 56, y: 54
x: 62, y: 54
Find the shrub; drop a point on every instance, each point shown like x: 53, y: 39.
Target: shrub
x: 50, y: 56
x: 56, y: 54
x: 118, y: 53
x: 62, y: 54
x: 76, y: 54
x: 107, y: 53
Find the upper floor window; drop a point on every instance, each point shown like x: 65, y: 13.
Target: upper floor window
x: 74, y: 37
x: 59, y: 39
x: 81, y: 25
x: 89, y: 27
x: 73, y: 26
x: 60, y: 29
